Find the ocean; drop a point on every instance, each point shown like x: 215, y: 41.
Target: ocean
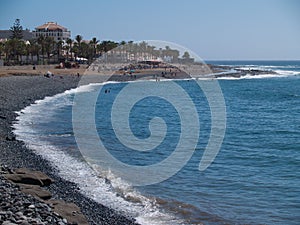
x: 254, y: 177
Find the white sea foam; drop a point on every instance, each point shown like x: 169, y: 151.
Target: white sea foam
x: 116, y: 194
x: 264, y: 67
x: 248, y: 76
x: 287, y: 72
x: 278, y: 74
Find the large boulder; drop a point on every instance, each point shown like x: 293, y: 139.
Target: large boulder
x: 35, y: 191
x: 70, y: 211
x: 27, y: 176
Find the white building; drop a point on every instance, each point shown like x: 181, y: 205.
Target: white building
x: 52, y: 29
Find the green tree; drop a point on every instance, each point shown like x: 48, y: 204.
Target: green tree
x: 16, y: 30
x: 123, y: 43
x: 59, y: 48
x: 41, y: 42
x: 1, y: 49
x: 86, y: 50
x: 78, y: 39
x: 175, y: 55
x: 27, y: 51
x: 186, y: 55
x: 69, y: 47
x: 6, y: 49
x: 75, y: 49
x: 13, y: 49
x: 34, y: 50
x: 94, y: 43
x: 49, y: 46
x: 106, y: 46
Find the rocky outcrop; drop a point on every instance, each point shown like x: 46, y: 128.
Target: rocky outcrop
x: 31, y: 177
x: 35, y: 191
x: 44, y: 210
x: 70, y: 211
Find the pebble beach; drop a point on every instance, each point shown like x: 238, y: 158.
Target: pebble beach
x: 16, y: 92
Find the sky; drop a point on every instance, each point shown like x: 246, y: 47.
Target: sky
x: 213, y: 29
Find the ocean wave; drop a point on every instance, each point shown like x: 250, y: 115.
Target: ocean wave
x: 287, y: 72
x: 269, y: 66
x: 261, y: 76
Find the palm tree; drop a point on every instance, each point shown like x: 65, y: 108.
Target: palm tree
x: 6, y: 50
x: 186, y: 55
x: 49, y: 46
x: 142, y: 49
x: 166, y: 53
x: 109, y: 45
x: 41, y: 42
x: 152, y: 51
x: 75, y: 49
x: 100, y: 49
x: 123, y: 49
x: 123, y: 43
x: 27, y: 51
x: 59, y: 47
x: 69, y: 42
x: 86, y: 50
x: 1, y: 49
x: 78, y: 39
x: 13, y: 49
x: 175, y: 55
x: 34, y: 49
x: 94, y: 43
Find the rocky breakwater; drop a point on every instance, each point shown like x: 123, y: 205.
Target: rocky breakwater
x: 24, y: 200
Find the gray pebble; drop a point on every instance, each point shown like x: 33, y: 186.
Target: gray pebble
x: 8, y: 223
x: 31, y: 207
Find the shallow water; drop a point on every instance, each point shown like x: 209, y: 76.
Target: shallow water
x: 253, y: 180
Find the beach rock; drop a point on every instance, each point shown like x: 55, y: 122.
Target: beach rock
x: 24, y: 222
x: 36, y: 191
x: 8, y: 223
x: 38, y: 174
x: 27, y: 176
x: 5, y: 169
x: 11, y: 137
x: 19, y: 208
x: 69, y: 211
x: 23, y: 178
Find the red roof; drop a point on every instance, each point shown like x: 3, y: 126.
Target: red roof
x: 51, y: 26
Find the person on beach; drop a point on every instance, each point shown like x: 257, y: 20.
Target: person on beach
x: 48, y: 74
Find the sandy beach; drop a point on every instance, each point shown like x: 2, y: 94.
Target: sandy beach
x: 39, y: 70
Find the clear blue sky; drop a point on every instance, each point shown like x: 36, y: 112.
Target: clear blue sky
x: 214, y: 29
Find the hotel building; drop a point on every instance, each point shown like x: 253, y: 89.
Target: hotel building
x: 52, y: 29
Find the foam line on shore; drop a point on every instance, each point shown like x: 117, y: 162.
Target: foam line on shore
x: 145, y: 211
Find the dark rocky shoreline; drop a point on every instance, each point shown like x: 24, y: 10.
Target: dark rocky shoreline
x: 17, y: 92
x: 33, y: 205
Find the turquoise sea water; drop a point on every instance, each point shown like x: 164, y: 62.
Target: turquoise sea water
x: 254, y: 179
